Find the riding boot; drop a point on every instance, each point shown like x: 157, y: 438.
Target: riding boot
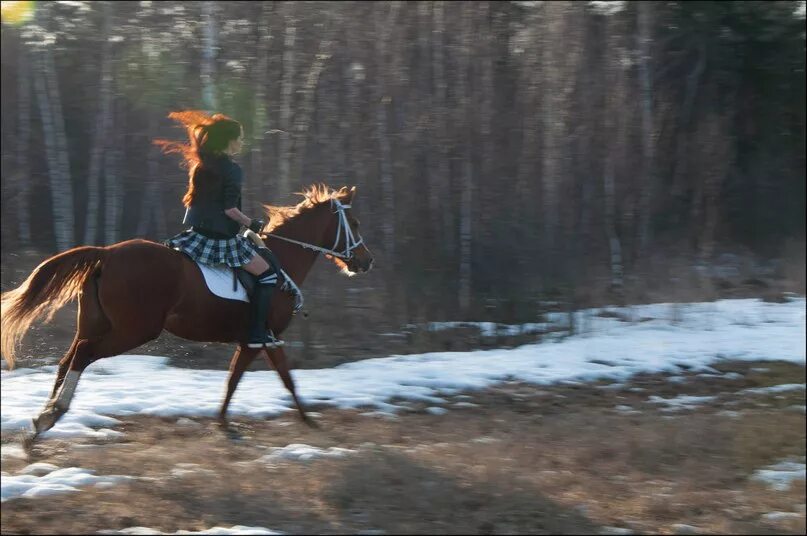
x: 259, y: 336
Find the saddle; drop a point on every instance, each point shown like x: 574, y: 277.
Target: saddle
x: 213, y: 276
x: 249, y: 280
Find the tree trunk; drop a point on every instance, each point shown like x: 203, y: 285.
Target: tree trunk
x: 305, y: 112
x: 257, y: 179
x: 551, y: 127
x: 467, y: 182
x: 426, y: 127
x: 382, y: 100
x: 287, y: 99
x: 62, y: 154
x: 152, y: 205
x: 355, y: 75
x: 102, y: 126
x: 485, y: 103
x: 527, y: 177
x: 614, y: 245
x: 50, y: 109
x: 208, y: 68
x: 113, y: 159
x: 440, y: 194
x: 615, y: 132
x: 23, y: 180
x: 648, y: 132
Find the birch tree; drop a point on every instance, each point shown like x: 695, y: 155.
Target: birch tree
x: 382, y: 101
x: 258, y: 178
x: 103, y: 124
x: 113, y: 191
x: 614, y: 131
x: 46, y: 87
x: 648, y: 183
x: 467, y: 182
x: 208, y: 70
x: 287, y: 96
x: 23, y: 178
x: 305, y: 112
x: 443, y: 177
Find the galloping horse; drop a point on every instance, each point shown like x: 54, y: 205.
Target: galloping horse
x: 129, y: 292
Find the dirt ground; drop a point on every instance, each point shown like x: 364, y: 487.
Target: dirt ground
x: 516, y: 458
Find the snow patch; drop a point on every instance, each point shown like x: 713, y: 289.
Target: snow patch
x: 781, y: 475
x: 702, y: 334
x: 236, y: 529
x: 681, y: 402
x: 301, y: 452
x: 781, y: 388
x: 42, y: 479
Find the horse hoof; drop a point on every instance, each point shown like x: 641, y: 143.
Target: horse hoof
x: 311, y: 423
x: 28, y: 442
x: 232, y: 434
x: 230, y: 431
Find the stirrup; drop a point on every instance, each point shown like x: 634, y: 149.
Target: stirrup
x: 288, y: 286
x: 269, y: 341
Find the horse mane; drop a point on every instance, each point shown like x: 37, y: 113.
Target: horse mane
x: 313, y: 196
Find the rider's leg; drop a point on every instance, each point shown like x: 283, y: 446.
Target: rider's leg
x: 256, y: 266
x: 258, y: 335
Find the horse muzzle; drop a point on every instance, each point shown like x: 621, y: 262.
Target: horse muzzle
x: 360, y: 263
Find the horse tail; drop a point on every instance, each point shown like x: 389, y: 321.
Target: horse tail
x: 53, y: 283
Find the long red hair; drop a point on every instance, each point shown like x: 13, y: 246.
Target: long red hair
x: 207, y: 134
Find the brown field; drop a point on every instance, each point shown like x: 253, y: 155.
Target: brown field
x: 523, y: 459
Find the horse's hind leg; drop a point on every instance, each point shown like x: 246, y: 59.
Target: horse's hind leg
x: 238, y: 364
x: 87, y: 351
x: 90, y: 322
x: 59, y: 404
x: 64, y: 363
x: 278, y: 359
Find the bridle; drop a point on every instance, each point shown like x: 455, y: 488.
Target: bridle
x: 344, y: 227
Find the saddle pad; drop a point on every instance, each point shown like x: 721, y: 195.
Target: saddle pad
x: 219, y: 279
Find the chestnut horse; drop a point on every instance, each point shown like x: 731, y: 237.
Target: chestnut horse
x: 129, y: 292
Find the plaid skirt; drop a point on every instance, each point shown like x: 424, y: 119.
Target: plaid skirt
x: 234, y: 252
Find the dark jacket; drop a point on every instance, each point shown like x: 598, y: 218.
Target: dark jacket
x: 217, y: 188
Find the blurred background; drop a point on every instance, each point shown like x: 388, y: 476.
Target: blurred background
x: 511, y: 158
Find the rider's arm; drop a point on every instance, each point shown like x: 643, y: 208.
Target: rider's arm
x: 238, y: 216
x: 233, y: 178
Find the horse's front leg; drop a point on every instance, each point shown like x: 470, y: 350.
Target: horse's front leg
x: 240, y: 361
x: 278, y: 359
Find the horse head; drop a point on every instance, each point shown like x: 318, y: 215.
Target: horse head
x: 324, y: 221
x: 344, y: 228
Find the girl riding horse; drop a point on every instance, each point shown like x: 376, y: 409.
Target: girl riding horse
x: 213, y: 210
x: 130, y: 292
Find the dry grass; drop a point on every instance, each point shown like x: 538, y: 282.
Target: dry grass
x: 525, y: 460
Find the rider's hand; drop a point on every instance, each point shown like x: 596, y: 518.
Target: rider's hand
x: 256, y: 226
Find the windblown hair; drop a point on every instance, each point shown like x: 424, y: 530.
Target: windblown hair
x: 207, y: 135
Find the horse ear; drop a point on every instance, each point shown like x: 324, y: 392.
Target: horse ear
x: 351, y: 194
